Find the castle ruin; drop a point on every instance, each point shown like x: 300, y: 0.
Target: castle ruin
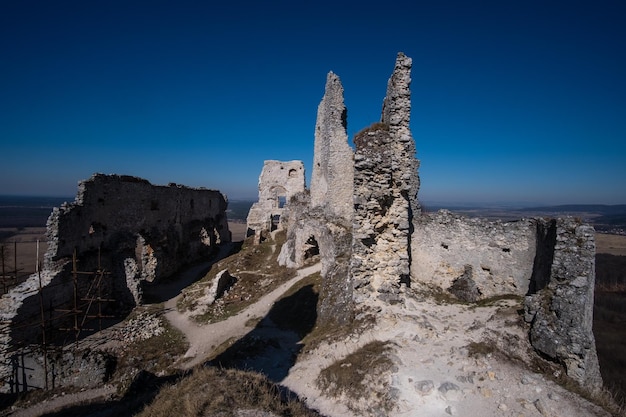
x: 119, y: 233
x: 363, y: 217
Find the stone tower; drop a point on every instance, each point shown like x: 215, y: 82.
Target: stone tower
x: 385, y: 195
x: 331, y: 181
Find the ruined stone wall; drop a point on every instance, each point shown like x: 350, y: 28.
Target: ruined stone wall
x: 278, y: 180
x: 380, y: 257
x: 550, y: 261
x: 394, y: 243
x: 396, y: 114
x: 386, y: 183
x: 331, y: 182
x: 560, y: 305
x: 125, y: 226
x: 499, y: 254
x: 310, y: 232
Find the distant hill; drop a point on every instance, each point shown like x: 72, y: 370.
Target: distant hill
x: 602, y: 209
x: 604, y: 218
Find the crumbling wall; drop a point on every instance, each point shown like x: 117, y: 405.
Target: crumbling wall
x: 394, y: 243
x: 499, y: 254
x: 396, y: 114
x: 386, y: 183
x: 331, y: 182
x: 321, y: 220
x: 380, y: 256
x: 550, y: 261
x: 278, y: 183
x: 312, y: 232
x: 560, y: 307
x: 133, y: 230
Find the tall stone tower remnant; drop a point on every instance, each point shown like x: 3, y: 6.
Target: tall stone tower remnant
x: 386, y: 183
x: 331, y: 181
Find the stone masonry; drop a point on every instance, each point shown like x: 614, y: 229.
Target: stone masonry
x: 134, y: 231
x: 331, y: 182
x: 385, y: 194
x: 560, y: 306
x: 278, y: 180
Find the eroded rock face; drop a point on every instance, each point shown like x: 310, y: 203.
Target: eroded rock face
x: 561, y: 313
x: 278, y: 183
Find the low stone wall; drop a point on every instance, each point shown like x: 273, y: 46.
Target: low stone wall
x: 549, y: 261
x: 500, y: 255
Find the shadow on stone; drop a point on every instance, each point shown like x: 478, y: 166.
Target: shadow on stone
x: 273, y: 346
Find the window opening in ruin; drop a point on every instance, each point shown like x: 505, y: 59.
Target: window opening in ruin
x: 406, y: 280
x: 282, y: 200
x: 443, y: 245
x: 292, y: 173
x: 275, y: 222
x: 506, y: 250
x: 312, y: 248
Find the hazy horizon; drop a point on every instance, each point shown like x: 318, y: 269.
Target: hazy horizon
x: 511, y: 101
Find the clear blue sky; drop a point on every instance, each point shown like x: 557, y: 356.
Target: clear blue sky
x: 517, y: 101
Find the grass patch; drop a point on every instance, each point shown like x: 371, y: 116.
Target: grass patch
x: 361, y: 377
x: 257, y: 271
x: 373, y: 128
x: 222, y: 392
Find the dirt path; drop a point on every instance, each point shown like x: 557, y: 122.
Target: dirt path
x: 203, y: 339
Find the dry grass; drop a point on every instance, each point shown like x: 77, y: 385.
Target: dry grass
x: 361, y: 376
x: 611, y: 244
x: 257, y: 271
x: 223, y: 392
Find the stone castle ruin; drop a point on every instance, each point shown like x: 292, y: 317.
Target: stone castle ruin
x: 363, y: 217
x: 279, y: 181
x: 119, y: 233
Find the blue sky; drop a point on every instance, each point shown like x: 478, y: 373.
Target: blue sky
x: 519, y: 102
